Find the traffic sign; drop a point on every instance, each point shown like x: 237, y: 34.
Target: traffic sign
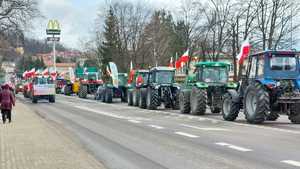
x: 56, y: 39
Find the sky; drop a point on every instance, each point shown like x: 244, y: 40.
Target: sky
x: 77, y: 18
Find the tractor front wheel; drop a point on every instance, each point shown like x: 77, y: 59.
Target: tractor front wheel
x: 184, y: 102
x: 83, y: 90
x: 198, y: 101
x: 256, y: 104
x: 152, y: 99
x: 108, y: 95
x: 129, y: 98
x: 143, y: 98
x: 230, y: 106
x: 294, y: 115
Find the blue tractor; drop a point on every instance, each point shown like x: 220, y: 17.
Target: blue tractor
x: 269, y: 88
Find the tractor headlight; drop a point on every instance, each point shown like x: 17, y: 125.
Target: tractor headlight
x: 156, y: 87
x: 278, y: 84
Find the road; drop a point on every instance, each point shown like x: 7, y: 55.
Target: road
x: 123, y: 137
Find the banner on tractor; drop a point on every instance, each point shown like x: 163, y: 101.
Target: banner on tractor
x: 114, y: 74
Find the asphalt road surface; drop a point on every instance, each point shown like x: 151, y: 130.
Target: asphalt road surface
x: 124, y: 137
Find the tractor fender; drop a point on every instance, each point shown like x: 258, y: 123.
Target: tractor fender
x: 234, y: 95
x: 232, y: 85
x: 266, y: 82
x: 201, y: 85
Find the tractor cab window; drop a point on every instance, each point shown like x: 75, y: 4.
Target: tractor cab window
x: 261, y: 64
x: 164, y: 77
x: 91, y: 76
x: 214, y: 74
x: 253, y: 67
x: 283, y: 62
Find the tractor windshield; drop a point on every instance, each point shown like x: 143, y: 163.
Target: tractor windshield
x: 164, y: 77
x: 91, y: 76
x: 215, y: 74
x: 283, y: 62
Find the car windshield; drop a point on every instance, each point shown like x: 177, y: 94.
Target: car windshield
x: 164, y: 77
x: 43, y: 81
x: 283, y: 62
x: 214, y: 74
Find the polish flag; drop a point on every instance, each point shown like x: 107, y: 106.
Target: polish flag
x: 31, y: 72
x: 25, y: 73
x: 45, y: 72
x: 171, y: 62
x: 185, y: 57
x: 244, y: 53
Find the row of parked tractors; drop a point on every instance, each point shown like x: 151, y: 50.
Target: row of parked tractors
x: 269, y: 87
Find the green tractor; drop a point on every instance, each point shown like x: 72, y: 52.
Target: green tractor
x: 206, y: 86
x: 161, y: 88
x: 137, y: 81
x: 114, y: 87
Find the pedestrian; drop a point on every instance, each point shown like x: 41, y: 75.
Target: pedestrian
x: 7, y: 101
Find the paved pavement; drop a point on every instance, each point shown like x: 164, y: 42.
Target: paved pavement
x: 30, y: 142
x: 125, y: 137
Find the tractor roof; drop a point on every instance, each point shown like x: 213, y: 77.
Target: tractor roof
x: 162, y: 68
x: 212, y: 64
x: 282, y: 52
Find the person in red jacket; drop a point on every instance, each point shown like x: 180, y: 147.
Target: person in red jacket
x: 7, y: 101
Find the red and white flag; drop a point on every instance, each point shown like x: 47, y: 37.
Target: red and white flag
x: 45, y: 72
x: 185, y: 57
x: 245, y: 51
x: 182, y: 60
x: 25, y: 73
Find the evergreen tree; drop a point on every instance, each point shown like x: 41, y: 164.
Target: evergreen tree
x: 111, y: 44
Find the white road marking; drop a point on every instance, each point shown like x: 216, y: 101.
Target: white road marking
x: 291, y: 162
x: 156, y: 127
x: 205, y: 128
x: 134, y: 121
x: 238, y: 148
x: 111, y: 114
x: 186, y: 134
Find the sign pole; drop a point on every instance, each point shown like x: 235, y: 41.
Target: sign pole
x: 54, y: 55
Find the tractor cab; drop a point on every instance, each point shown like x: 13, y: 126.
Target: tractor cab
x: 212, y: 73
x: 162, y: 76
x: 274, y: 68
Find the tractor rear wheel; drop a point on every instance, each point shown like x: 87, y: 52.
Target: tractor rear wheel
x: 184, y: 102
x: 256, y: 104
x: 123, y: 94
x: 129, y: 98
x: 176, y: 105
x: 136, y: 97
x: 143, y: 98
x: 198, y: 101
x: 108, y: 95
x: 230, y: 106
x: 294, y: 115
x: 83, y: 90
x: 152, y: 99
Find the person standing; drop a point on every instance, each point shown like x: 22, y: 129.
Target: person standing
x: 7, y: 101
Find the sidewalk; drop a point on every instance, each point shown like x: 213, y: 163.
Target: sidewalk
x: 29, y: 142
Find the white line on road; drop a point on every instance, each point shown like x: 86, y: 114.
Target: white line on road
x: 134, y: 121
x: 186, y: 134
x: 205, y: 128
x: 156, y: 127
x: 233, y: 147
x: 291, y: 162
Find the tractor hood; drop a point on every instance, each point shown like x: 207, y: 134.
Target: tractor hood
x: 230, y: 85
x: 277, y: 82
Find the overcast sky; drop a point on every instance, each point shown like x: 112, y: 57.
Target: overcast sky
x: 77, y: 17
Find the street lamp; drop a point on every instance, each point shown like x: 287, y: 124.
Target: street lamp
x: 53, y: 32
